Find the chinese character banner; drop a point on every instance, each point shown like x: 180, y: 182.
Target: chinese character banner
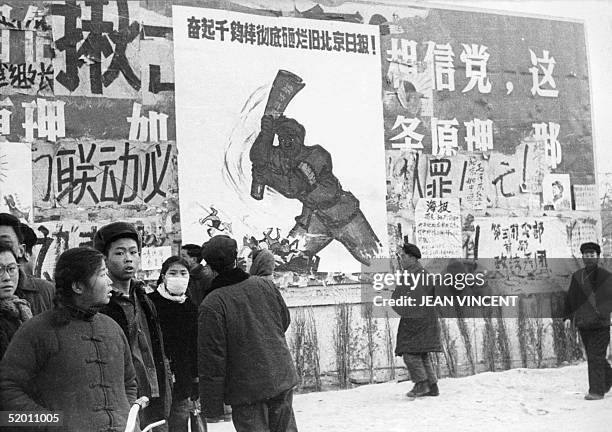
x: 104, y: 179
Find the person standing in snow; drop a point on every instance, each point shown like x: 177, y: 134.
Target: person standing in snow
x: 243, y: 357
x: 418, y: 333
x: 588, y: 305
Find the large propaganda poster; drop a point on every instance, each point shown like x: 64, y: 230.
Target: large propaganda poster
x: 280, y: 136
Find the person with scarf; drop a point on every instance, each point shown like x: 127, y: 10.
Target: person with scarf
x: 243, y: 357
x: 178, y: 321
x: 72, y: 359
x: 263, y: 264
x: 14, y: 311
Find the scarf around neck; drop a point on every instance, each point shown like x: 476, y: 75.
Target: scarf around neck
x: 16, y: 308
x: 161, y: 289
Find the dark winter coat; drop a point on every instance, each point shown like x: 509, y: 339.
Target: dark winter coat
x: 243, y: 356
x: 200, y: 279
x: 160, y: 405
x: 8, y: 327
x: 179, y: 325
x: 67, y: 361
x: 38, y: 292
x: 419, y: 329
x: 579, y: 308
x: 13, y: 313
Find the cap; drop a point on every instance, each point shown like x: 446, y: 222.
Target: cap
x: 590, y: 246
x: 220, y: 252
x: 114, y: 231
x: 412, y: 249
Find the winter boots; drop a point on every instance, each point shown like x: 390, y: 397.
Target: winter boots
x: 424, y: 388
x: 433, y: 390
x: 593, y: 396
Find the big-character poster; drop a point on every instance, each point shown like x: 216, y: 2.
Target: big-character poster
x: 280, y: 136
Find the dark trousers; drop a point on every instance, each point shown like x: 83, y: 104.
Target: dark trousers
x: 272, y: 415
x: 600, y: 373
x: 420, y: 367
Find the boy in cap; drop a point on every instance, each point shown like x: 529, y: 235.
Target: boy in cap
x: 588, y: 305
x: 38, y: 292
x: 243, y: 357
x: 418, y: 333
x: 132, y: 309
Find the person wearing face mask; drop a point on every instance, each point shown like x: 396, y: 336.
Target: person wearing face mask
x: 178, y: 320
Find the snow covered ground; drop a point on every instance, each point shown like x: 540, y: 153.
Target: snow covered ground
x: 525, y: 400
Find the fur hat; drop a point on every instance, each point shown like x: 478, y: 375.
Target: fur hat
x: 114, y: 231
x: 220, y: 252
x: 590, y: 246
x: 412, y: 249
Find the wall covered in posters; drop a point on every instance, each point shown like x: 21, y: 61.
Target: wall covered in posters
x: 314, y: 131
x: 87, y: 123
x: 491, y: 110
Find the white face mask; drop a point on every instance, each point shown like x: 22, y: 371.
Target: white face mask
x: 176, y: 285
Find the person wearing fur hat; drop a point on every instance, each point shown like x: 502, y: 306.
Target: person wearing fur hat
x: 588, y: 305
x: 178, y: 318
x: 302, y: 172
x: 418, y: 333
x: 243, y: 357
x: 135, y: 313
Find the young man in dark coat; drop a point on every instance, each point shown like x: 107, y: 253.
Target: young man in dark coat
x: 132, y: 309
x: 418, y: 333
x: 38, y: 292
x: 243, y: 357
x: 588, y: 305
x: 200, y: 276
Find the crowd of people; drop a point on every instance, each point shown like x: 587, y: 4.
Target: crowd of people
x: 97, y: 338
